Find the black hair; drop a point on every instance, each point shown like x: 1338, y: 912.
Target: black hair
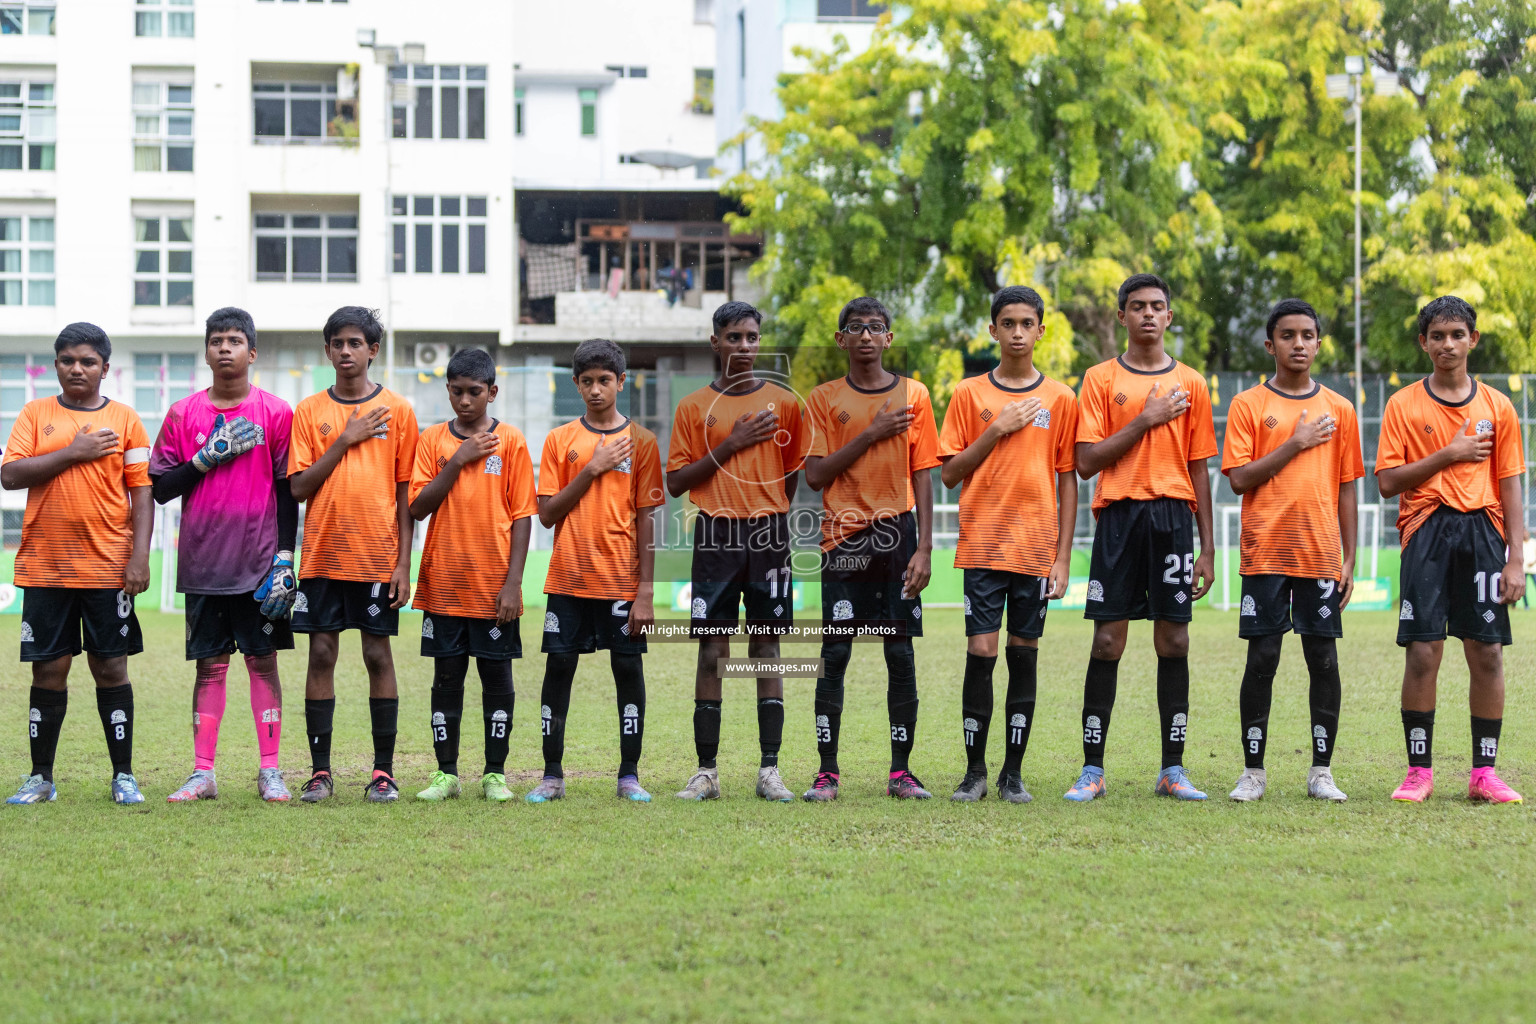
x: 1136, y: 282
x: 1291, y: 307
x: 602, y: 354
x: 82, y: 333
x: 734, y: 311
x: 231, y: 318
x: 1446, y: 307
x: 1017, y: 295
x: 473, y: 364
x: 863, y: 306
x: 361, y: 317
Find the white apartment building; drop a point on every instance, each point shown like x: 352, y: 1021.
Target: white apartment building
x: 755, y: 44
x: 619, y: 216
x: 162, y: 158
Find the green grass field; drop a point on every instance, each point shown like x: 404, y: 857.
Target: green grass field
x: 588, y: 910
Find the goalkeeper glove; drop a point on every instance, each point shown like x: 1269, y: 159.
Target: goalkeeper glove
x: 279, y: 590
x: 226, y: 442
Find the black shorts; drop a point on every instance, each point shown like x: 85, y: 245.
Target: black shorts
x: 1450, y: 571
x: 1277, y: 604
x: 53, y: 618
x: 1143, y: 564
x: 225, y: 623
x: 986, y: 590
x: 861, y: 581
x: 449, y: 636
x: 330, y: 606
x: 736, y: 558
x: 583, y: 625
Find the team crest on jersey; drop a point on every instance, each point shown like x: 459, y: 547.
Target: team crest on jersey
x: 698, y: 608
x: 1043, y: 418
x: 1271, y: 422
x: 1018, y: 721
x: 325, y: 430
x: 426, y: 627
x: 986, y: 415
x: 119, y: 716
x: 1255, y: 733
x: 48, y: 430
x: 26, y: 632
x: 438, y: 718
x: 301, y: 603
x: 1121, y: 398
x: 1319, y: 732
x: 571, y: 455
x: 494, y: 633
x: 1249, y: 607
x: 498, y: 715
x: 843, y: 416
x: 1095, y: 590
x: 1180, y: 719
x: 493, y: 465
x: 842, y: 610
x: 1485, y: 426
x: 970, y: 725
x: 626, y: 465
x: 551, y: 622
x: 630, y: 711
x: 1406, y: 615
x: 34, y: 715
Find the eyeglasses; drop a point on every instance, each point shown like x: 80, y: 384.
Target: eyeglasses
x: 873, y: 330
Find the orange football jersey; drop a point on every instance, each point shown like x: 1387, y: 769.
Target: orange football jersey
x: 1291, y: 523
x: 751, y: 482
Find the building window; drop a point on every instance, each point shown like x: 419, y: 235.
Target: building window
x: 27, y: 126
x: 163, y: 18
x: 162, y: 126
x: 26, y: 261
x: 34, y: 18
x: 639, y: 72
x: 588, y: 99
x: 517, y: 111
x: 160, y: 379
x: 846, y: 10
x: 23, y: 377
x: 162, y: 261
x: 449, y: 102
x: 306, y: 247
x: 438, y: 234
x: 703, y: 90
x: 298, y: 111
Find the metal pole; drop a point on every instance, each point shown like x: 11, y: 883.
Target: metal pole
x: 389, y: 249
x: 1359, y: 338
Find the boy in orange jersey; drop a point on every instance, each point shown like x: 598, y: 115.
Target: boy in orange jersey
x: 84, y: 553
x: 1145, y: 427
x: 599, y: 479
x: 1293, y: 452
x: 1450, y: 447
x: 1008, y: 437
x: 350, y: 457
x: 873, y: 444
x: 736, y: 449
x: 474, y: 477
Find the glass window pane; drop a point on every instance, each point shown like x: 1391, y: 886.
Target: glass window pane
x: 147, y: 230
x: 148, y: 262
x: 475, y: 72
x: 305, y: 87
x: 10, y: 22
x: 146, y: 293
x: 423, y: 248
x: 178, y: 124
x: 477, y: 206
x: 146, y: 23
x: 10, y: 122
x: 40, y: 261
x: 474, y: 113
x: 450, y: 112
x: 399, y: 248
x: 267, y: 87
x: 10, y: 261
x: 271, y: 258
x: 178, y: 230
x: 341, y: 222
x: 269, y: 220
x: 271, y: 117
x: 146, y: 398
x: 10, y: 229
x: 40, y: 229
x: 423, y: 112
x: 305, y: 221
x: 423, y: 206
x: 146, y: 94
x: 475, y: 258
x: 40, y: 158
x: 449, y: 206
x: 10, y: 90
x: 40, y: 92
x: 398, y: 205
x: 41, y: 123
x: 306, y: 119
x: 178, y: 293
x: 306, y: 258
x: 448, y: 72
x: 341, y: 257
x: 397, y: 72
x: 180, y: 95
x: 179, y: 24
x: 639, y: 72
x: 40, y: 23
x: 421, y: 70
x: 181, y: 362
x: 10, y: 293
x: 450, y: 263
x: 397, y: 122
x: 179, y: 261
x: 178, y: 158
x: 39, y: 293
x: 146, y: 124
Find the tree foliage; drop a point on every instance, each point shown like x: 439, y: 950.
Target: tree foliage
x: 978, y: 143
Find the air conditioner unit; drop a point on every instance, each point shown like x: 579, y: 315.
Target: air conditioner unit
x: 432, y: 355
